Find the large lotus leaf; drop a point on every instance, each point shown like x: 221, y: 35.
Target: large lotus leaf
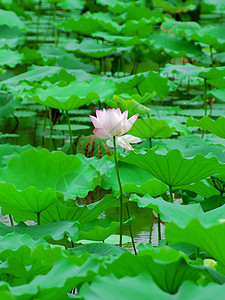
x: 143, y: 287
x: 66, y: 274
x: 98, y: 230
x: 209, y: 239
x: 69, y: 210
x: 182, y: 71
x: 75, y: 95
x: 9, y: 37
x: 42, y: 73
x: 180, y: 214
x: 151, y: 128
x: 10, y: 58
x: 217, y: 127
x: 72, y: 62
x: 168, y: 268
x: 139, y: 12
x: 180, y: 28
x: 175, y: 7
x: 155, y: 84
x: 218, y: 93
x: 140, y: 28
x: 129, y: 84
x: 153, y: 187
x: 10, y: 19
x: 173, y: 123
x: 172, y: 168
x: 71, y: 4
x: 211, y: 35
x: 94, y: 49
x: 7, y: 151
x: 56, y: 171
x: 26, y: 204
x: 97, y: 249
x: 89, y: 23
x: 55, y: 230
x: 174, y: 46
x: 14, y: 241
x: 116, y: 6
x: 121, y: 39
x: 8, y: 104
x: 201, y: 188
x: 131, y: 105
x: 217, y: 83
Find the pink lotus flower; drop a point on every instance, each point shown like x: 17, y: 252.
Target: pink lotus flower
x: 112, y: 122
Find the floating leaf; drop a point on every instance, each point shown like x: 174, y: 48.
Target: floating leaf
x: 10, y: 58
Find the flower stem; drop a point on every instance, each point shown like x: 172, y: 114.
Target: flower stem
x: 38, y: 218
x: 121, y: 192
x: 171, y: 194
x: 11, y: 220
x: 70, y: 131
x: 50, y: 124
x: 130, y: 229
x: 159, y: 228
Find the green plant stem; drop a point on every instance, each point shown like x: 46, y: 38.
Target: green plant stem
x: 211, y: 56
x: 11, y: 220
x: 38, y: 218
x: 205, y: 96
x: 70, y: 131
x: 197, y: 252
x: 171, y: 194
x: 221, y: 198
x: 159, y: 227
x: 65, y: 241
x: 55, y: 27
x: 130, y: 229
x: 121, y: 192
x: 43, y: 135
x: 50, y: 125
x: 150, y: 143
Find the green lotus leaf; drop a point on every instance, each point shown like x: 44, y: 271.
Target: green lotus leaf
x: 116, y: 6
x: 55, y: 230
x: 26, y: 204
x: 97, y: 249
x: 75, y: 95
x: 98, y: 230
x: 154, y: 84
x: 173, y: 123
x: 47, y: 171
x: 201, y: 188
x: 217, y: 83
x: 180, y: 214
x: 131, y: 105
x: 180, y: 28
x: 182, y: 71
x: 69, y: 210
x: 174, y: 46
x: 14, y: 241
x: 8, y: 104
x: 10, y: 58
x: 168, y: 268
x: 121, y: 39
x: 211, y: 35
x: 218, y: 93
x: 66, y: 274
x: 171, y: 166
x: 139, y: 12
x: 50, y: 73
x: 7, y: 151
x: 206, y: 238
x: 216, y: 127
x: 175, y: 6
x: 111, y: 288
x: 151, y: 128
x: 94, y: 49
x: 71, y: 4
x: 10, y: 37
x: 89, y: 23
x: 10, y: 19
